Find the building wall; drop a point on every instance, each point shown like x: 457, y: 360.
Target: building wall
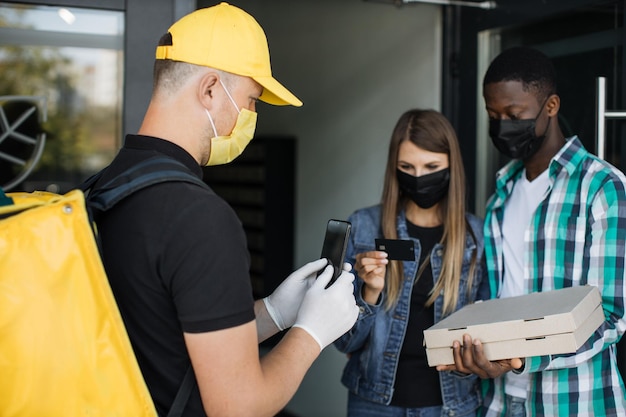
x: 140, y: 44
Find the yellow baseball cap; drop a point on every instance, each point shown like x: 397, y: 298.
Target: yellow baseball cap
x: 225, y: 37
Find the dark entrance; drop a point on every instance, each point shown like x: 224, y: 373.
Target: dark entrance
x: 585, y: 40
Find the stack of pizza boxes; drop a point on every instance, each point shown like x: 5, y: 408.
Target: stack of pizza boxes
x: 542, y: 323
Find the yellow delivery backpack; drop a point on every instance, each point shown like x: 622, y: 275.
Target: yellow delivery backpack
x: 64, y: 350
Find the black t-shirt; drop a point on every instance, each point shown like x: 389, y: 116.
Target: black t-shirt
x: 177, y: 260
x: 417, y: 384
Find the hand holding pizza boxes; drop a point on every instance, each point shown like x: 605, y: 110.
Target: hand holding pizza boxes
x: 542, y: 323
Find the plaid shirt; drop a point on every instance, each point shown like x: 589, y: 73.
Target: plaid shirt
x: 577, y: 236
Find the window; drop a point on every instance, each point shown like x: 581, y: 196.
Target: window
x: 70, y: 62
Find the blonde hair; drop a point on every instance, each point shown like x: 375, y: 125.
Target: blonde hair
x: 431, y: 131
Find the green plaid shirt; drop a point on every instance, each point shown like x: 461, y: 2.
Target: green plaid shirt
x: 577, y: 236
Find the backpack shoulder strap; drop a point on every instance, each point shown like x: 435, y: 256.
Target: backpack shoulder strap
x: 146, y: 173
x: 180, y: 401
x: 4, y: 199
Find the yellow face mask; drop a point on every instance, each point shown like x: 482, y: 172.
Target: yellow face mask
x: 224, y: 149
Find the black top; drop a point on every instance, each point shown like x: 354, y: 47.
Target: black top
x: 417, y: 384
x: 177, y: 260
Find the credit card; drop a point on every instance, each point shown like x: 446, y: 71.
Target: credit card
x: 397, y: 249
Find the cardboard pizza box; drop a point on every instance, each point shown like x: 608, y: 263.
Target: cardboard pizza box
x: 543, y: 323
x: 522, y: 348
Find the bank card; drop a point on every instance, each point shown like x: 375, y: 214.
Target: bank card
x: 397, y: 249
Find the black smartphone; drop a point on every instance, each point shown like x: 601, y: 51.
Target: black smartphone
x: 335, y: 244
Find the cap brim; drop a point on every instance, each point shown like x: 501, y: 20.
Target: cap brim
x: 274, y: 93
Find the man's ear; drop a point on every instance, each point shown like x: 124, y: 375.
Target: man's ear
x: 553, y: 104
x: 206, y: 88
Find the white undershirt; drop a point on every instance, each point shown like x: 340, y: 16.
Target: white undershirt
x: 518, y: 212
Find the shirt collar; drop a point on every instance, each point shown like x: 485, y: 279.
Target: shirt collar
x: 165, y: 147
x: 568, y: 158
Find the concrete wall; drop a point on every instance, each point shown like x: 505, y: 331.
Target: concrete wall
x: 140, y: 44
x: 356, y: 66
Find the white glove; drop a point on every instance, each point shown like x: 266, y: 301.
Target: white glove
x: 326, y: 314
x: 283, y: 304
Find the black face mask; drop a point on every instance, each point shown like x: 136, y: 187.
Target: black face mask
x: 425, y: 190
x: 516, y: 138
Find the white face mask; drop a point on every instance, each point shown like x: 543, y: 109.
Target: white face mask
x: 226, y: 148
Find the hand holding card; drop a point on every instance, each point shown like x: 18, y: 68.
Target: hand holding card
x: 397, y: 249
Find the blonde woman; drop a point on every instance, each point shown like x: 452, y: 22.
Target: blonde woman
x: 423, y: 200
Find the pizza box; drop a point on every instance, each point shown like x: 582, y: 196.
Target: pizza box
x: 542, y: 323
x: 533, y: 346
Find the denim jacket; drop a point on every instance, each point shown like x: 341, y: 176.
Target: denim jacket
x: 375, y: 341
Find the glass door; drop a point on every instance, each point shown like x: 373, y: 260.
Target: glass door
x: 584, y: 44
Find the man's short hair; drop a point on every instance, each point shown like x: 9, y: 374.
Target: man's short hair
x: 529, y: 66
x: 169, y: 76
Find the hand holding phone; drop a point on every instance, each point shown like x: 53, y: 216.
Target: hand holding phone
x: 335, y: 245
